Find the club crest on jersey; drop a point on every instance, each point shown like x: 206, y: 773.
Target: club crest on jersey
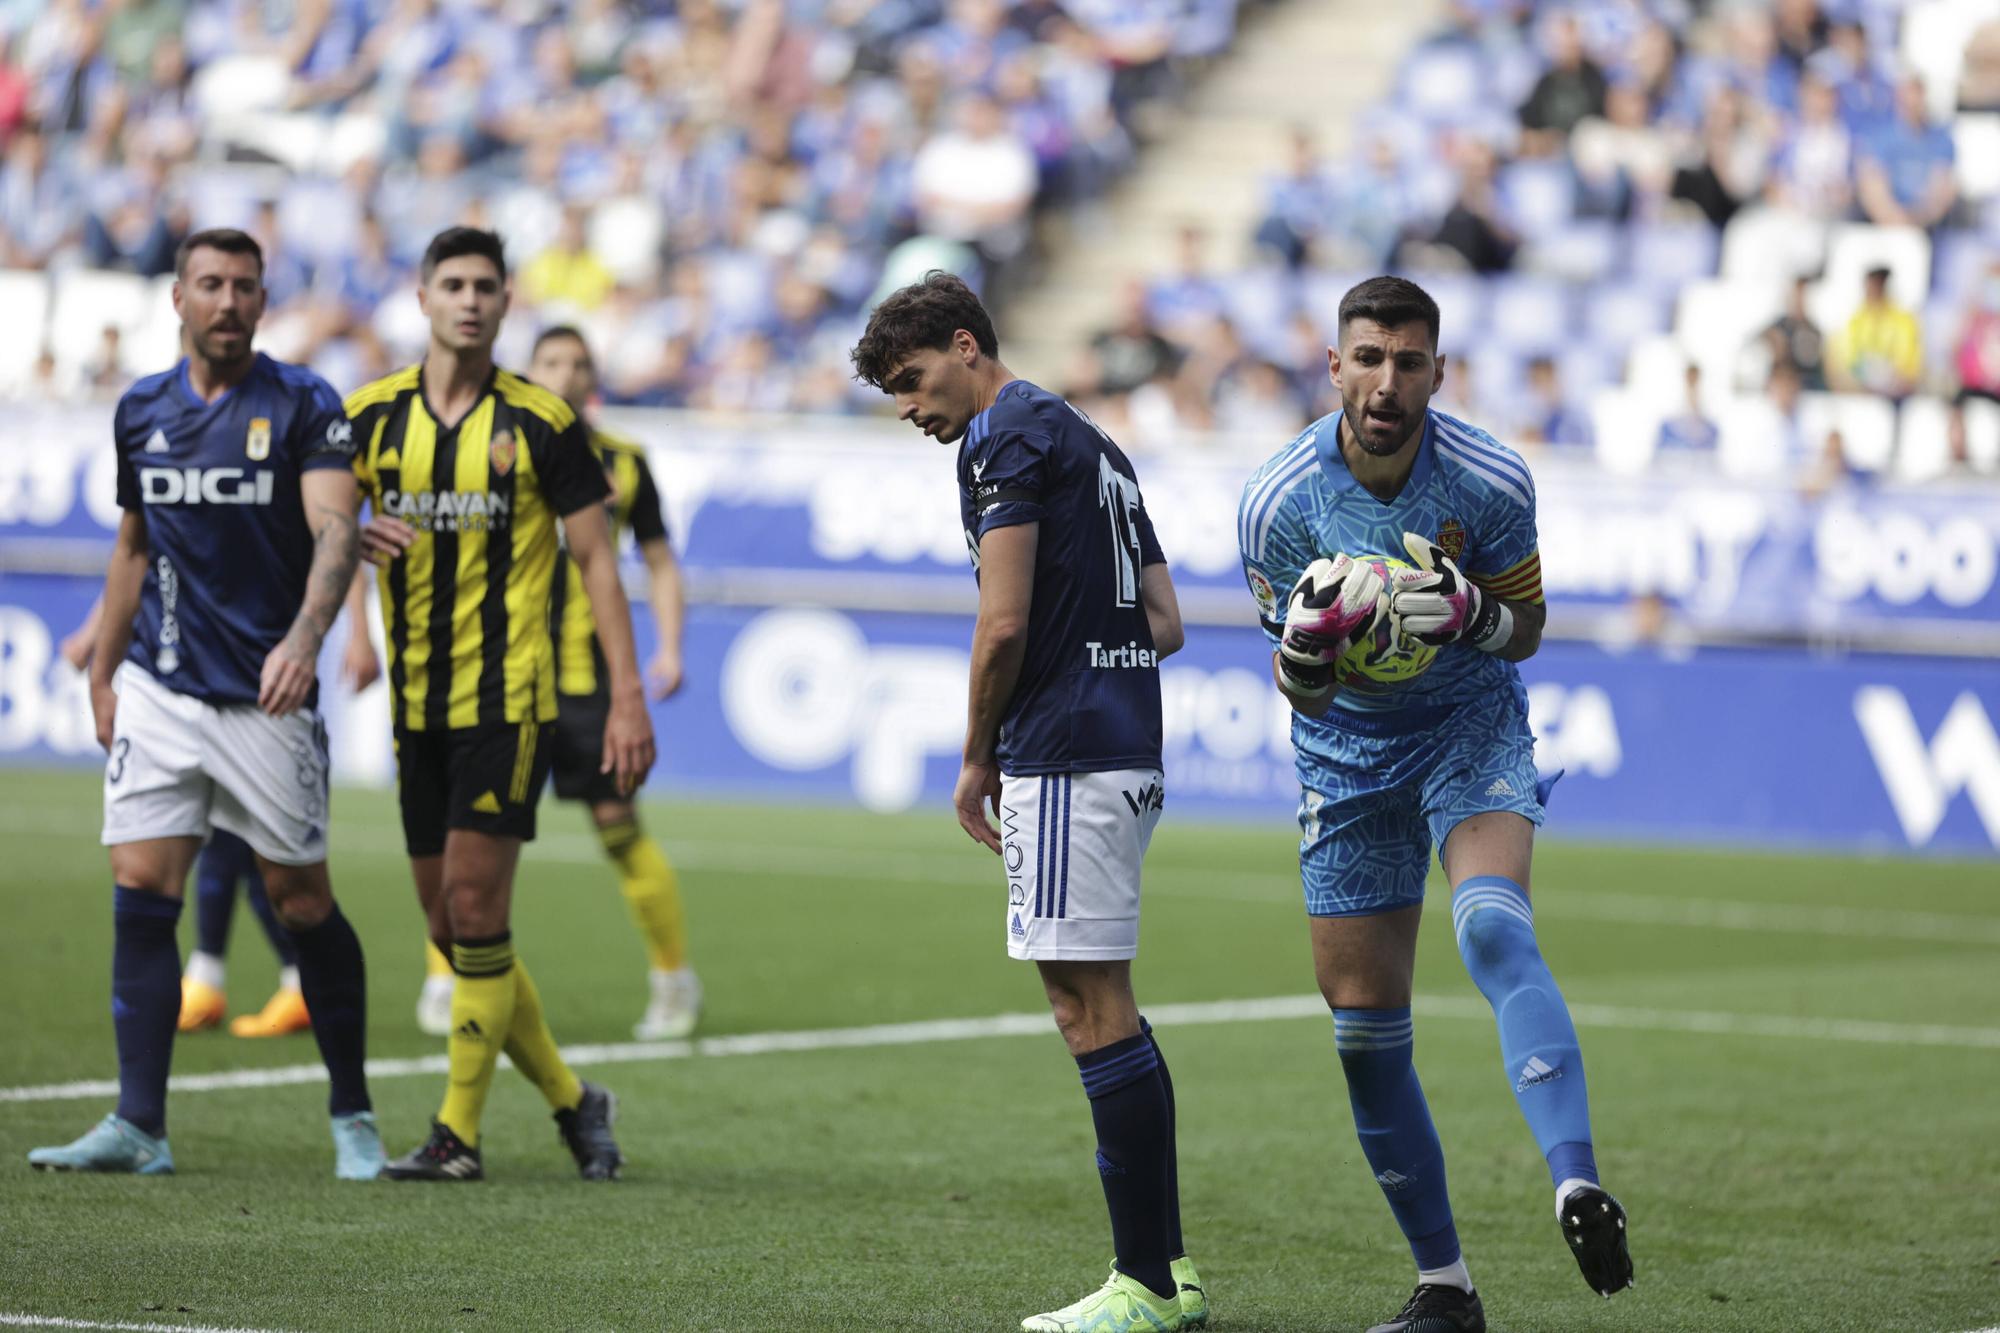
x: 1451, y: 536
x: 257, y: 444
x: 501, y: 453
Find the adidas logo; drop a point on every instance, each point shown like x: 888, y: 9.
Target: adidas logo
x: 487, y: 804
x: 459, y: 1167
x: 158, y: 444
x: 1501, y: 787
x: 471, y: 1030
x: 1017, y: 928
x: 1536, y: 1071
x: 1392, y: 1180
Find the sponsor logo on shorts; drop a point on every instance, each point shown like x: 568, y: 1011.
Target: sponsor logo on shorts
x: 1152, y: 796
x: 1017, y: 930
x: 1501, y: 787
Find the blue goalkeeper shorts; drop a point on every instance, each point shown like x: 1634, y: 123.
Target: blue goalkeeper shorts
x: 1378, y: 791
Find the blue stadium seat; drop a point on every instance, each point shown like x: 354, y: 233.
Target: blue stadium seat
x: 1531, y: 314
x: 1667, y: 254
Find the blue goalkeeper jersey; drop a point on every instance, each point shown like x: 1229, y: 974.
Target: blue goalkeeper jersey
x: 1467, y: 492
x: 218, y: 487
x: 1088, y: 697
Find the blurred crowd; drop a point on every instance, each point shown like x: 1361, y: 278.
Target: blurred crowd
x: 714, y: 191
x: 1667, y: 220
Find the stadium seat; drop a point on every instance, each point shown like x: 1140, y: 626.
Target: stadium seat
x: 1627, y: 430
x: 1718, y: 318
x: 1438, y: 80
x: 1672, y: 254
x: 155, y: 343
x: 1258, y: 302
x: 1539, y: 194
x: 240, y: 84
x: 1530, y: 314
x: 1616, y: 315
x: 24, y: 295
x: 1753, y: 440
x: 1866, y: 422
x: 1462, y: 309
x: 1922, y: 448
x: 1982, y: 435
x: 1854, y: 248
x: 88, y: 301
x: 1765, y: 242
x: 1977, y: 139
x: 1584, y: 250
x: 1934, y: 38
x: 1655, y: 375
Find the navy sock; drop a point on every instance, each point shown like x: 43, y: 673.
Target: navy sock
x: 334, y: 982
x: 1394, y: 1122
x: 1176, y: 1245
x: 1128, y: 1104
x: 145, y: 1001
x: 1538, y: 1048
x: 267, y: 916
x: 222, y: 865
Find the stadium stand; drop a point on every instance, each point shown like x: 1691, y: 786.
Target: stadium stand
x: 714, y: 191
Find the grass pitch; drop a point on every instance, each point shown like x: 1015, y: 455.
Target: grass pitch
x: 1794, y: 1063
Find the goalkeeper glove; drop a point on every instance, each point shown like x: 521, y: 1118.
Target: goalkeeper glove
x: 1334, y: 603
x: 1436, y: 604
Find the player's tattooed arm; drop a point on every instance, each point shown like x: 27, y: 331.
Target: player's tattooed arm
x: 123, y: 581
x: 331, y: 501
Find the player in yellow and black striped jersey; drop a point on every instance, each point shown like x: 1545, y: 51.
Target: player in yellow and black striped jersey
x: 563, y: 364
x: 467, y: 469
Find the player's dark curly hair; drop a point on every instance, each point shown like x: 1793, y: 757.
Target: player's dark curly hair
x: 923, y: 315
x: 453, y: 242
x: 1390, y: 302
x: 226, y: 239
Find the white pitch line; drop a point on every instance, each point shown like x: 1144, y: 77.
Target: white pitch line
x: 1165, y: 877
x: 57, y: 1321
x: 928, y: 1032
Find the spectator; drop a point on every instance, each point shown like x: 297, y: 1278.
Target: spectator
x: 1548, y: 416
x: 1882, y: 349
x: 1690, y: 428
x: 568, y: 274
x: 976, y: 183
x: 1905, y: 175
x: 1978, y: 357
x: 1298, y: 203
x: 1979, y: 80
x: 1867, y: 97
x: 1133, y: 350
x: 1794, y: 340
x: 1832, y: 469
x: 1185, y: 300
x: 1624, y: 162
x: 1729, y: 162
x: 1474, y: 230
x: 38, y: 218
x: 1258, y: 401
x: 1814, y: 168
x: 1570, y: 90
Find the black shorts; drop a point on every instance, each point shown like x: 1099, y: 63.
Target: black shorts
x: 486, y: 779
x: 579, y: 749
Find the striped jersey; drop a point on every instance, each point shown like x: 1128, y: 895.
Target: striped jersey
x: 1467, y: 492
x: 634, y: 506
x: 466, y: 607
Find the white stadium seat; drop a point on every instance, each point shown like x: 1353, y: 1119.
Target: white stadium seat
x: 1763, y: 243
x: 1977, y: 139
x: 1982, y: 435
x: 1627, y: 430
x: 1934, y: 39
x: 1921, y: 444
x: 24, y: 295
x: 1716, y: 321
x: 1866, y: 422
x: 86, y: 302
x: 1851, y: 251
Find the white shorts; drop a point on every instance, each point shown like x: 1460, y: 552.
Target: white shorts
x: 1072, y: 844
x: 180, y: 766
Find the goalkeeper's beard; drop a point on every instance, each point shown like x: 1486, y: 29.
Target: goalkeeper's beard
x: 1357, y: 422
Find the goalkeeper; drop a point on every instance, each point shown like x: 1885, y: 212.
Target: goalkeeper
x: 1387, y: 770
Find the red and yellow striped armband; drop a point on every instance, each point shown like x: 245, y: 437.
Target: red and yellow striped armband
x: 1522, y: 583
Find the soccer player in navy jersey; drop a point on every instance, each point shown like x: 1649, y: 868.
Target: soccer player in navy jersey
x: 1443, y: 759
x: 231, y: 562
x: 1076, y: 610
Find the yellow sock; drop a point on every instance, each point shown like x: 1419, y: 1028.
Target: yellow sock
x: 651, y: 890
x: 435, y: 963
x: 482, y: 1011
x: 532, y: 1047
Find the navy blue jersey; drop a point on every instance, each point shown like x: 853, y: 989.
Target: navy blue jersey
x: 218, y: 487
x: 1088, y: 698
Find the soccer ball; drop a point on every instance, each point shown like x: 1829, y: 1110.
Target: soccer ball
x: 1380, y: 657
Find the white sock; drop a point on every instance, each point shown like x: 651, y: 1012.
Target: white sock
x: 1452, y: 1274
x: 1569, y: 1187
x: 288, y: 978
x: 204, y: 968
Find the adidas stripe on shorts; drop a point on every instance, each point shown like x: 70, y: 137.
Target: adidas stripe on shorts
x: 1072, y: 844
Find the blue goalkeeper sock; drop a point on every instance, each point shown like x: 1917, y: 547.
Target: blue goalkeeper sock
x: 1394, y: 1123
x: 223, y: 863
x: 1496, y: 937
x: 145, y: 1001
